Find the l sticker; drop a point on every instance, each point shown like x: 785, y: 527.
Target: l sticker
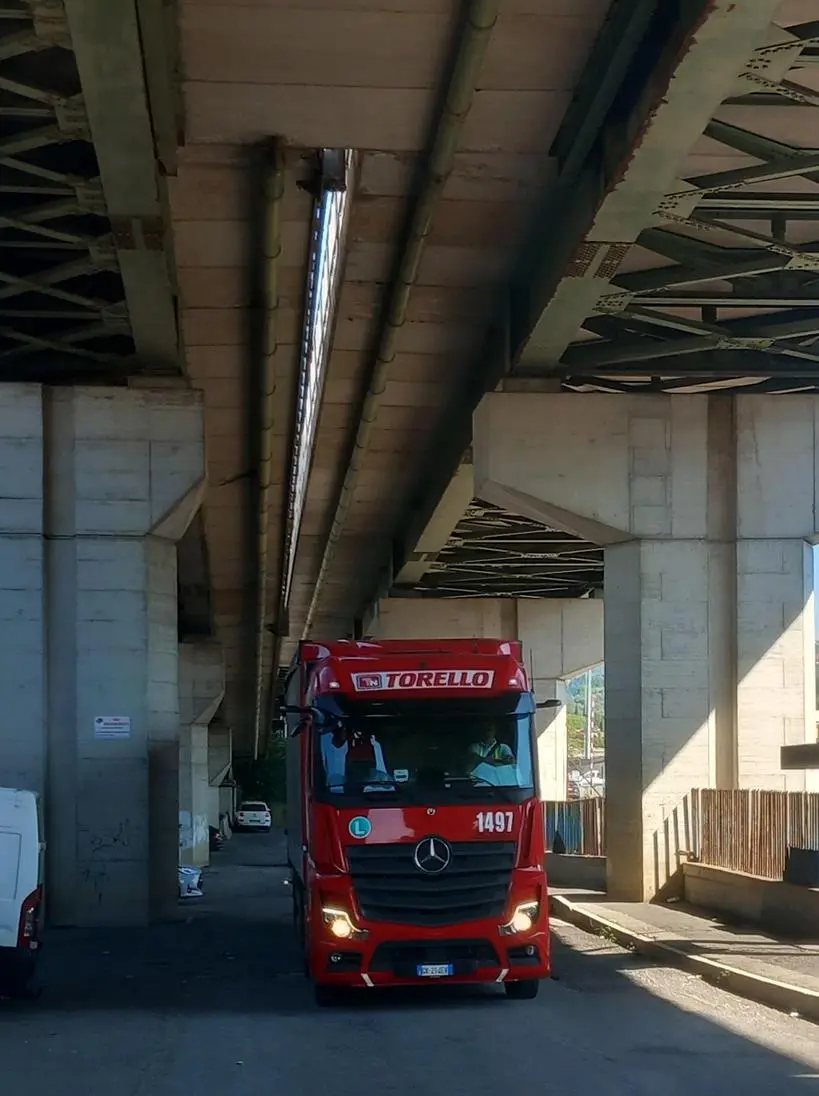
x: 360, y: 827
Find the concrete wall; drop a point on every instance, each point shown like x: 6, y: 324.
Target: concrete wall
x: 94, y: 570
x: 560, y: 639
x: 446, y: 618
x: 576, y: 872
x: 746, y: 899
x: 704, y: 506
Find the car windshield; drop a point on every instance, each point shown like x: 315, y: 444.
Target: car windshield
x: 253, y: 807
x: 422, y: 751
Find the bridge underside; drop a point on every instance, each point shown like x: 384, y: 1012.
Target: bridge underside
x: 632, y: 204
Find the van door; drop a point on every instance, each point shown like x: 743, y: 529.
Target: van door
x: 10, y: 898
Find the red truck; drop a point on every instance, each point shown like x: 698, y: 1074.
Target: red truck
x: 415, y: 830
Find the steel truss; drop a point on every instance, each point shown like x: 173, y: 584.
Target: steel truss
x: 63, y: 315
x: 718, y: 256
x: 492, y: 553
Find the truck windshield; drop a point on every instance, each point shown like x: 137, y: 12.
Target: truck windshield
x: 421, y: 751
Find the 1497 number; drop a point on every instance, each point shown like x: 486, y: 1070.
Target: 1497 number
x: 495, y: 821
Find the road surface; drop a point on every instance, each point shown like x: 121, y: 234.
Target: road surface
x: 215, y: 1005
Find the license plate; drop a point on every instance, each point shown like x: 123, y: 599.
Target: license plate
x: 435, y: 970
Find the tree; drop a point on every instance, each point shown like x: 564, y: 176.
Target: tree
x: 265, y: 778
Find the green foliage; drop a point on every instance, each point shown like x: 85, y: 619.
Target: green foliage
x: 576, y: 732
x: 576, y: 712
x: 266, y: 778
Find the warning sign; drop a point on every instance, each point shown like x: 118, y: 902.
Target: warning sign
x: 112, y: 726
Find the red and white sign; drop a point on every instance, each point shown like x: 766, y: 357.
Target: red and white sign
x: 414, y: 680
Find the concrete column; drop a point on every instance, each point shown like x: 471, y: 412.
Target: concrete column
x: 220, y: 758
x: 201, y: 689
x: 123, y: 478
x: 704, y: 506
x: 22, y: 608
x: 560, y: 637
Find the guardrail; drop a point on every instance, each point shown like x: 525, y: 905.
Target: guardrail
x: 579, y: 824
x: 751, y: 830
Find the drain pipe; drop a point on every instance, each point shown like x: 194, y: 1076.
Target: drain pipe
x: 478, y: 23
x: 272, y: 190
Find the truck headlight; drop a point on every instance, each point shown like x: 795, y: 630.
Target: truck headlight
x: 340, y: 924
x: 523, y: 919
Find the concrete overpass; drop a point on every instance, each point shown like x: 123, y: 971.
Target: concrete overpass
x: 266, y: 261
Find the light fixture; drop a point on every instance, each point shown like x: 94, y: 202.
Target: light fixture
x: 523, y: 919
x: 340, y: 924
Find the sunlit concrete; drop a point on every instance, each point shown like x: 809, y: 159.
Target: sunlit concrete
x: 705, y: 507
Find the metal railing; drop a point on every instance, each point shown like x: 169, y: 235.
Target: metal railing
x: 750, y: 831
x: 580, y: 825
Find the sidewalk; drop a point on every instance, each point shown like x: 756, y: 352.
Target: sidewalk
x: 782, y: 974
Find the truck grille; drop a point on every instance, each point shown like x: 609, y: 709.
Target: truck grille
x: 390, y: 887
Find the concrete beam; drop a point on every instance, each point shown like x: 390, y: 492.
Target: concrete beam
x: 449, y: 511
x: 106, y: 40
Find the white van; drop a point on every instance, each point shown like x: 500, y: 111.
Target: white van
x: 21, y: 887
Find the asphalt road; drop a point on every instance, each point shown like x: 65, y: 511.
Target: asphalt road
x: 215, y: 1005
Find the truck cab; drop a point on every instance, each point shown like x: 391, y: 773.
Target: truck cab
x: 415, y: 829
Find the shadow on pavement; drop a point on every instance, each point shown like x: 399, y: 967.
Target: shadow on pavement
x: 198, y: 995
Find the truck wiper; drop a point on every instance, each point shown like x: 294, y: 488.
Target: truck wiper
x: 467, y: 787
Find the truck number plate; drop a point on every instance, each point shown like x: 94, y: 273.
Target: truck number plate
x: 435, y: 970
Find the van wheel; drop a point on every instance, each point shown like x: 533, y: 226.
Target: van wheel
x: 526, y: 990
x: 325, y: 996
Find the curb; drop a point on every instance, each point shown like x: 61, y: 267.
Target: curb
x: 755, y: 987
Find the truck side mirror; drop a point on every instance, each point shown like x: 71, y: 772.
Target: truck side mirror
x: 548, y: 704
x: 318, y: 715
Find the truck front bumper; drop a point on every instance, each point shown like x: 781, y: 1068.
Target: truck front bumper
x: 480, y: 954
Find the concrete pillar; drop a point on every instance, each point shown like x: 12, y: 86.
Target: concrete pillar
x: 123, y: 478
x: 221, y: 800
x: 561, y: 638
x: 22, y: 589
x: 201, y: 689
x: 704, y: 506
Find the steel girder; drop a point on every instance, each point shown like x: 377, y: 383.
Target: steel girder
x: 492, y: 553
x: 622, y: 119
x: 68, y: 287
x: 62, y: 302
x: 646, y: 343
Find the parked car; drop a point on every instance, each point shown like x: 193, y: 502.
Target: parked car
x: 253, y: 815
x: 21, y: 888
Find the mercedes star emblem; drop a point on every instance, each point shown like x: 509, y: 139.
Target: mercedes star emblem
x: 432, y: 855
